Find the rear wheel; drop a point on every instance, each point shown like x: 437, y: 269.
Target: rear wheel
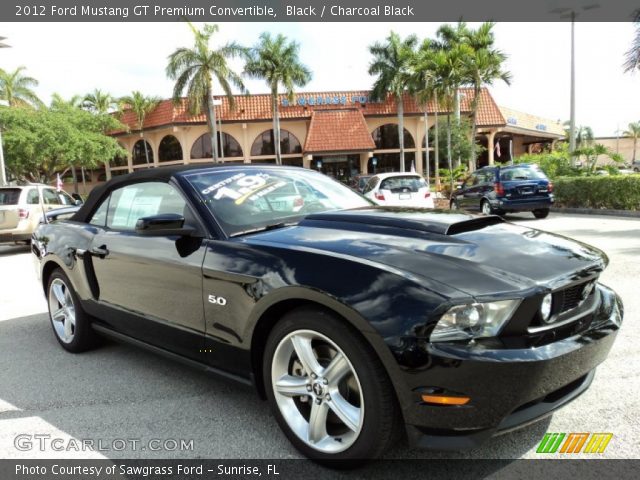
x: 71, y: 325
x: 541, y: 213
x: 329, y: 392
x: 485, y: 207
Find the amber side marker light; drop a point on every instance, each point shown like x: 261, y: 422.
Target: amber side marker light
x: 445, y: 400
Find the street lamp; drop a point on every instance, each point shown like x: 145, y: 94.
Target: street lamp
x: 572, y: 11
x: 3, y: 175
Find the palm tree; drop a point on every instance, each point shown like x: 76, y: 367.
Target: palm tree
x: 423, y: 86
x: 632, y: 61
x: 58, y: 102
x: 99, y: 102
x: 141, y: 106
x: 633, y: 132
x: 275, y: 59
x: 16, y: 89
x: 193, y: 69
x: 484, y: 67
x: 392, y: 62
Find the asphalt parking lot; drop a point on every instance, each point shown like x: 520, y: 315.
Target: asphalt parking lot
x: 120, y: 392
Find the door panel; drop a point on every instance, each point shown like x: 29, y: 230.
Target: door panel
x: 149, y: 287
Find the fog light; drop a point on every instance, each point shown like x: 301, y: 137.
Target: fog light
x: 445, y: 400
x: 545, y: 307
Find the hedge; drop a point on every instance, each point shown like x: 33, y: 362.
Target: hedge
x: 620, y: 192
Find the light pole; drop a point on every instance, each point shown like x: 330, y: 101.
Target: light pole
x: 572, y: 11
x: 3, y: 175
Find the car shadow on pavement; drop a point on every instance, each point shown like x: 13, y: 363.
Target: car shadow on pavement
x: 121, y: 392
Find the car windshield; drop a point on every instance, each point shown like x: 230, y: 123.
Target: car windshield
x: 257, y: 198
x: 522, y: 173
x: 398, y: 184
x: 9, y: 196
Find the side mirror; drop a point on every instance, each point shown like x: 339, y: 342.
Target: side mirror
x: 163, y: 225
x: 78, y: 202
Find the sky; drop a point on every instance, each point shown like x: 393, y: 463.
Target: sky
x: 75, y: 58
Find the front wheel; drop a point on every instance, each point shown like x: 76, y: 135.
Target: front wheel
x: 329, y: 392
x: 541, y: 213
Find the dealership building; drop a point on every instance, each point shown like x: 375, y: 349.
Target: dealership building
x: 338, y: 133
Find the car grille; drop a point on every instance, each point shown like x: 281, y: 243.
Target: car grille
x: 568, y: 298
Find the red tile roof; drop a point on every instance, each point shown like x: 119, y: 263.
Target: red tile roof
x: 258, y: 107
x: 338, y: 130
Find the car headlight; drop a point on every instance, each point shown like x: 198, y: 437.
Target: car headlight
x: 473, y: 320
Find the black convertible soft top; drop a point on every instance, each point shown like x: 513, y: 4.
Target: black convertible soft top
x: 163, y: 174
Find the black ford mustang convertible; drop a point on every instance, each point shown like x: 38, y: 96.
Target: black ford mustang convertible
x: 357, y: 323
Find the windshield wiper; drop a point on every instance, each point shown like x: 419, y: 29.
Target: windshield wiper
x: 272, y: 226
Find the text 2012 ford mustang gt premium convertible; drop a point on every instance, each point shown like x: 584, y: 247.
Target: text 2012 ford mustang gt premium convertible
x: 352, y: 320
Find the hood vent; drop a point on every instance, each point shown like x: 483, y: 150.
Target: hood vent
x: 438, y: 222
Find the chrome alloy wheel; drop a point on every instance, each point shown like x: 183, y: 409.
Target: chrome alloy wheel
x: 317, y: 391
x: 62, y: 310
x: 486, y: 208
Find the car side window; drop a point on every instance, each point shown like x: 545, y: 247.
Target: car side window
x: 99, y: 217
x: 32, y: 197
x: 50, y: 197
x: 471, y: 180
x: 130, y: 203
x: 370, y: 185
x: 65, y: 198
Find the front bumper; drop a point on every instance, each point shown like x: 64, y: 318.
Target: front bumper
x: 509, y: 388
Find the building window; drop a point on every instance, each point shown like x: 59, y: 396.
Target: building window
x: 139, y: 156
x: 264, y: 144
x: 170, y: 149
x: 202, y: 146
x: 386, y: 137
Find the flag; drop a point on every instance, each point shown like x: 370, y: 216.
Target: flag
x: 497, y: 148
x: 413, y: 166
x: 58, y: 183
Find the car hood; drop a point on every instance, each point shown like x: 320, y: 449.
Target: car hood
x: 473, y: 254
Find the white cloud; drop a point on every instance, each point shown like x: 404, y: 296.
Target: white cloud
x: 74, y: 58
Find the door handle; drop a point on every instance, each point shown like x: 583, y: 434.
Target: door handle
x: 100, y: 251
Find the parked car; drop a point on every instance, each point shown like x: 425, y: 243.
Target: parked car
x: 22, y: 208
x: 500, y: 189
x: 351, y: 322
x: 635, y: 166
x: 360, y: 181
x: 399, y: 190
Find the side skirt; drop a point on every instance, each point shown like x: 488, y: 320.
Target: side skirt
x: 119, y: 337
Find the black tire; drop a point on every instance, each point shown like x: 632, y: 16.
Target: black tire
x: 541, y: 213
x: 84, y: 337
x: 486, y: 208
x: 380, y: 422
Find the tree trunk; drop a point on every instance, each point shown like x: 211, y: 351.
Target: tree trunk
x: 474, y: 127
x: 426, y: 141
x: 213, y: 129
x: 400, y: 104
x: 635, y: 144
x: 276, y: 125
x: 146, y: 150
x: 457, y: 110
x: 449, y: 161
x: 75, y: 179
x: 436, y: 146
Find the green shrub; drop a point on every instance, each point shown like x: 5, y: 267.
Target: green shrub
x: 614, y: 192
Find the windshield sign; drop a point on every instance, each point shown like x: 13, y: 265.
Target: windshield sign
x: 261, y: 198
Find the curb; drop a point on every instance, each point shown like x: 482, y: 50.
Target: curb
x: 594, y: 211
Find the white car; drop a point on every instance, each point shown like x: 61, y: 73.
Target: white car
x: 399, y: 190
x: 22, y: 209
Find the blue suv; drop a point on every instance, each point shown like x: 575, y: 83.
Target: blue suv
x: 500, y: 189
